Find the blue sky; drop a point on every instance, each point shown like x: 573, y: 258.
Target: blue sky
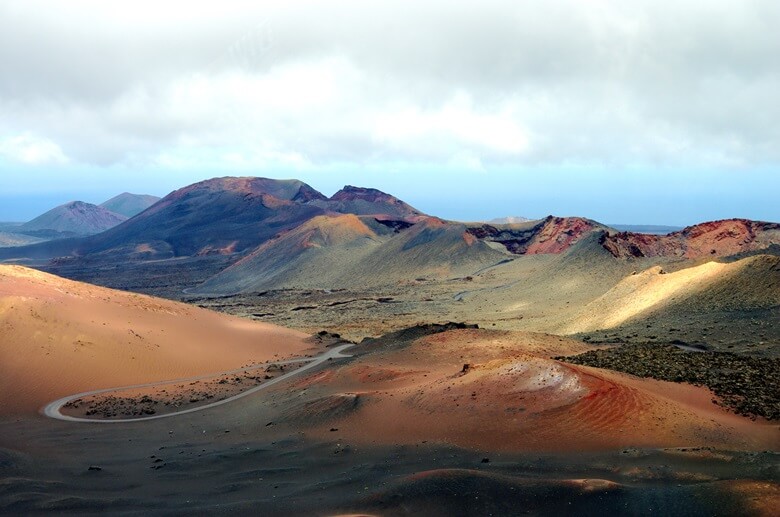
x: 669, y: 197
x: 659, y: 112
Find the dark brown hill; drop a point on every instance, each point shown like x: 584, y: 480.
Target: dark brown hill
x: 367, y: 201
x: 220, y: 215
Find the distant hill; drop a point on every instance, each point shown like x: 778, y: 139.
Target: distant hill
x: 241, y: 234
x: 355, y: 251
x: 128, y: 204
x: 366, y: 201
x: 17, y: 239
x: 303, y: 256
x: 219, y: 216
x: 646, y: 228
x: 74, y: 218
x: 549, y: 235
x: 710, y: 239
x: 509, y: 220
x: 10, y: 237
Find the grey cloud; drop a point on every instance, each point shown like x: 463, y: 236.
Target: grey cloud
x: 591, y: 82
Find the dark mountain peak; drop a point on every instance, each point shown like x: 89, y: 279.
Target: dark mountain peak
x: 368, y: 201
x: 248, y: 186
x: 306, y: 194
x: 350, y: 193
x: 78, y: 205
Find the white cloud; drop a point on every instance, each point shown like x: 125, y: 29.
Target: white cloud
x: 186, y: 157
x: 670, y: 82
x: 457, y: 124
x: 31, y: 150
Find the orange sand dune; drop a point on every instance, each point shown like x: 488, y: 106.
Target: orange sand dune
x: 59, y: 337
x: 512, y: 396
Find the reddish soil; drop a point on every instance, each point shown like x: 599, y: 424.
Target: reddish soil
x: 711, y: 239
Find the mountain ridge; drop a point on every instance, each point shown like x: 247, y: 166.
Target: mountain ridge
x: 712, y: 238
x: 234, y: 220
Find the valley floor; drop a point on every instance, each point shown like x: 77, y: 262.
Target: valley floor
x: 226, y: 465
x: 430, y: 420
x: 446, y: 420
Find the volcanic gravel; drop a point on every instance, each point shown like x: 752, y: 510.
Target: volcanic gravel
x: 749, y: 386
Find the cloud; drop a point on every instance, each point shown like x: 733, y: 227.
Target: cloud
x: 31, y: 150
x: 456, y: 124
x: 671, y: 83
x: 238, y: 160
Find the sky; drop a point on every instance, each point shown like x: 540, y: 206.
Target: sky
x: 654, y: 112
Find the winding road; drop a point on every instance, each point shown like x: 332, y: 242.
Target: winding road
x: 52, y: 410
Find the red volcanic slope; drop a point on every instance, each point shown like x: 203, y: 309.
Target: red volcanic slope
x: 551, y: 235
x: 716, y: 238
x: 558, y: 234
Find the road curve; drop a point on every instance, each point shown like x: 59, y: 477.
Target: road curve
x: 52, y: 409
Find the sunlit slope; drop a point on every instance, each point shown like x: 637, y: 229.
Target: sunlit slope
x: 748, y: 283
x: 311, y: 255
x: 347, y: 251
x: 432, y: 249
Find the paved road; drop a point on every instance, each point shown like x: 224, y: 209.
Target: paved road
x: 52, y: 410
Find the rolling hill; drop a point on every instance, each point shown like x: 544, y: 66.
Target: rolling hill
x: 9, y: 239
x: 242, y: 235
x: 710, y: 239
x: 304, y: 256
x: 72, y: 219
x: 750, y: 282
x: 221, y: 215
x: 128, y: 204
x: 329, y: 252
x: 218, y: 216
x: 367, y: 201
